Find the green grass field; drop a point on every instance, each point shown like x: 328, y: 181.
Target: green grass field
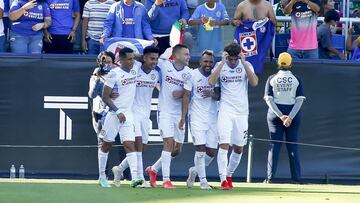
x: 68, y: 191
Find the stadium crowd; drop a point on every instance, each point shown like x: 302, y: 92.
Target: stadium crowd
x: 80, y: 26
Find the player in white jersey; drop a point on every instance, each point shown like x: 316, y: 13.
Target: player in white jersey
x: 202, y: 118
x: 119, y: 119
x: 173, y: 75
x: 233, y: 76
x: 147, y: 79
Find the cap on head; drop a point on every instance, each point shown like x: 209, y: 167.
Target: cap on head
x: 284, y: 59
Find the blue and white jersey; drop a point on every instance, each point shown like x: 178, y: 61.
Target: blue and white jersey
x: 284, y: 87
x: 201, y: 109
x: 233, y: 83
x: 171, y: 80
x: 124, y: 83
x: 145, y: 84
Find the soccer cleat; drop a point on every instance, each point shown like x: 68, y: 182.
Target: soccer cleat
x: 144, y: 185
x: 205, y: 186
x: 135, y: 182
x: 117, y: 175
x: 191, y: 179
x: 224, y: 185
x: 267, y: 181
x: 168, y: 185
x: 229, y: 181
x: 152, y: 175
x: 104, y: 182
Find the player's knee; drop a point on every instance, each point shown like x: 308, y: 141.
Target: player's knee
x: 200, y: 148
x: 129, y: 146
x: 238, y: 149
x: 211, y: 152
x: 105, y: 147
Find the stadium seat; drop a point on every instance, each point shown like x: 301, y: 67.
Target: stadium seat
x: 338, y: 42
x: 281, y: 43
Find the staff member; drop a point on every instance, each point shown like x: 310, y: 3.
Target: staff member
x: 284, y: 95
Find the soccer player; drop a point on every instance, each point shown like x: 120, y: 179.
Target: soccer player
x: 233, y: 76
x: 120, y: 117
x: 203, y: 117
x: 173, y: 75
x: 147, y: 79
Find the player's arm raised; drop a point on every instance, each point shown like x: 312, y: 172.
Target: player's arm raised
x: 253, y: 79
x: 184, y: 108
x: 215, y: 75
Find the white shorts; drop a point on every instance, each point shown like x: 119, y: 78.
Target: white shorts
x: 142, y: 128
x: 168, y: 125
x: 232, y: 128
x: 207, y: 136
x: 112, y: 127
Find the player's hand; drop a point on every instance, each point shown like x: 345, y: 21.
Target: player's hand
x: 287, y: 122
x: 212, y: 22
x: 48, y: 37
x: 351, y: 31
x: 84, y: 46
x: 114, y: 95
x: 242, y: 58
x: 342, y: 56
x: 182, y: 124
x: 72, y: 36
x: 204, y: 19
x: 121, y: 117
x: 236, y: 23
x: 38, y: 26
x: 29, y: 5
x: 159, y: 2
x: 206, y: 93
x: 224, y: 56
x: 178, y: 94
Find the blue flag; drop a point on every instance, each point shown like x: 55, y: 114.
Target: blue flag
x: 115, y: 44
x: 255, y: 39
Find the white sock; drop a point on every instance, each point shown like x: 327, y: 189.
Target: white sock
x: 124, y: 165
x: 199, y: 160
x: 208, y: 159
x: 222, y: 161
x: 140, y: 168
x: 102, y: 160
x: 132, y: 160
x: 165, y: 165
x: 233, y: 163
x: 157, y: 166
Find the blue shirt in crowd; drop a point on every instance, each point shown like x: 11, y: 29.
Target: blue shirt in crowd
x: 114, y: 24
x: 128, y: 29
x: 163, y: 17
x: 210, y: 39
x: 24, y: 24
x: 61, y: 14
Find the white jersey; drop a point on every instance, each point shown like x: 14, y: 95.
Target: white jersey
x: 124, y: 83
x: 234, y: 89
x: 201, y: 109
x: 145, y: 83
x: 171, y: 80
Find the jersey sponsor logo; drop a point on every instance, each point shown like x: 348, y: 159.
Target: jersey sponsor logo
x: 200, y: 89
x: 34, y: 15
x: 248, y: 43
x: 128, y: 81
x: 231, y: 79
x: 60, y: 6
x: 150, y: 84
x: 174, y: 81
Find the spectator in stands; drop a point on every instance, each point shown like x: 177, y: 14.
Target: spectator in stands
x: 59, y: 38
x: 252, y: 10
x: 303, y: 39
x: 327, y: 5
x: 210, y: 16
x: 192, y: 4
x: 2, y: 34
x: 163, y: 14
x: 324, y: 36
x: 129, y: 19
x: 94, y: 15
x: 353, y: 46
x: 29, y: 19
x: 281, y: 27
